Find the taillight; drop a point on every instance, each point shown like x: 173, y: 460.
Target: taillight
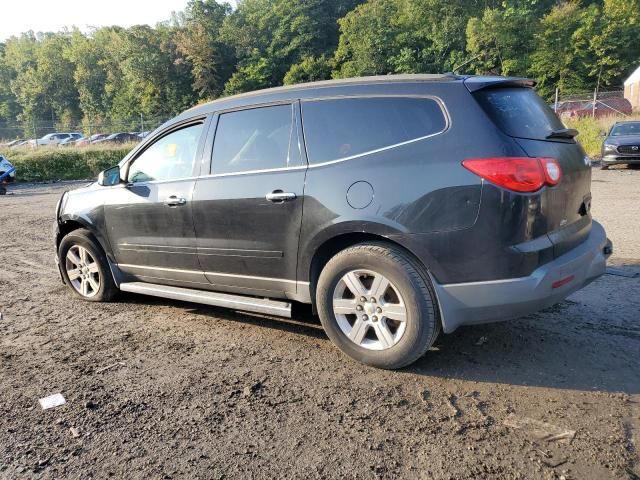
x: 520, y: 174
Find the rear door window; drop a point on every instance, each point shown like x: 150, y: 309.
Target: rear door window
x: 519, y: 112
x: 254, y: 139
x: 336, y: 129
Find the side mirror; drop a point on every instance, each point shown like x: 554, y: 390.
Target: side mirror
x: 109, y: 177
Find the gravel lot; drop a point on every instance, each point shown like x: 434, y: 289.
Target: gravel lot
x: 162, y: 389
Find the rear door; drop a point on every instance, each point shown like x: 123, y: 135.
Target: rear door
x: 248, y: 211
x: 522, y: 114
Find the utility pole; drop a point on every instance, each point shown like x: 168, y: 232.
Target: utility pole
x: 141, y: 123
x: 595, y: 93
x: 555, y: 108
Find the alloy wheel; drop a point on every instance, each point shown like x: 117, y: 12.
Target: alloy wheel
x: 82, y: 270
x: 369, y: 310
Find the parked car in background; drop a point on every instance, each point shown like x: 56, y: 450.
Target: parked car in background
x: 70, y: 141
x: 605, y: 107
x: 621, y: 145
x: 56, y: 138
x: 92, y: 139
x: 23, y: 143
x: 383, y: 212
x: 13, y: 142
x: 7, y: 174
x: 122, y: 137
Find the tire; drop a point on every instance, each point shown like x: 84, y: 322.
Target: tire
x: 370, y: 264
x: 89, y: 269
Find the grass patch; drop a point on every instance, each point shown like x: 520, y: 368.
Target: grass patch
x: 64, y: 163
x: 591, y: 130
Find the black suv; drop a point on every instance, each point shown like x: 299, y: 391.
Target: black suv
x: 397, y: 206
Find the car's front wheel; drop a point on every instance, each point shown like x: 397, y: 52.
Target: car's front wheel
x: 84, y: 267
x: 376, y: 304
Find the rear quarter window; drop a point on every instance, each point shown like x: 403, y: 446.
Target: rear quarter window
x: 336, y: 129
x: 519, y: 112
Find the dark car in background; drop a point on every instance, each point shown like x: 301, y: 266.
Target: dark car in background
x: 122, y: 137
x: 621, y: 145
x: 397, y: 206
x: 605, y: 107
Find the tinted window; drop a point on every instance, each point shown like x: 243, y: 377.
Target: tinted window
x: 519, y: 112
x: 169, y: 158
x: 625, y: 129
x: 340, y: 128
x: 255, y: 139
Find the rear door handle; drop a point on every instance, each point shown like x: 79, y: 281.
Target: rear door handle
x: 175, y: 201
x: 278, y: 196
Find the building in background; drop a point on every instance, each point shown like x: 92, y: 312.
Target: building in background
x: 632, y: 89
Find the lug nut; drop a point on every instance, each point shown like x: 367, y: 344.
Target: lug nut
x: 359, y: 307
x: 363, y: 299
x: 374, y: 319
x: 378, y: 310
x: 373, y: 300
x: 365, y: 317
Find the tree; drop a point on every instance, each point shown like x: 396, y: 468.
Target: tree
x: 269, y: 36
x: 616, y: 47
x: 367, y: 40
x: 310, y: 69
x: 9, y: 108
x: 198, y: 42
x: 556, y: 62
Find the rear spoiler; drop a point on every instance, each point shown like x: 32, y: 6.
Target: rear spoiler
x: 474, y: 84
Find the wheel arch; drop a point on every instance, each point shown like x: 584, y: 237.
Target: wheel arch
x: 66, y: 225
x: 339, y: 242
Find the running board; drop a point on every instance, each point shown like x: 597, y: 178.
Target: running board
x: 237, y: 302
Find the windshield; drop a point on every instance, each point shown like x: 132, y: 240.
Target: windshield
x: 519, y: 112
x: 625, y: 129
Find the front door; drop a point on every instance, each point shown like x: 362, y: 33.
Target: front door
x: 247, y: 213
x: 149, y: 219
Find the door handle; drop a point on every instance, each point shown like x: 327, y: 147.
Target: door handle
x: 278, y: 196
x: 175, y: 201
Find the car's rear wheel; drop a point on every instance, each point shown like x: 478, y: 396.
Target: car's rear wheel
x: 377, y: 305
x: 85, y: 268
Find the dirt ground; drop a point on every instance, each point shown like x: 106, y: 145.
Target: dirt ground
x: 163, y: 389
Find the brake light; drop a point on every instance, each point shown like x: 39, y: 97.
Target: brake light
x: 519, y: 174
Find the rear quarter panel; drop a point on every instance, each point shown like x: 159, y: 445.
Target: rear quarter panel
x: 422, y: 196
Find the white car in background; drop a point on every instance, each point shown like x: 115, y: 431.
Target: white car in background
x: 56, y: 138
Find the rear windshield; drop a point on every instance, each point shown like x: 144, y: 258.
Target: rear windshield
x: 625, y: 129
x: 519, y: 112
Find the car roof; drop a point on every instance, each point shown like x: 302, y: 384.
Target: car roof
x: 345, y: 86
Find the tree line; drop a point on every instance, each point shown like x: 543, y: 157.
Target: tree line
x: 211, y: 50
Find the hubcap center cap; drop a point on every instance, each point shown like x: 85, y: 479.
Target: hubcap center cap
x: 369, y: 308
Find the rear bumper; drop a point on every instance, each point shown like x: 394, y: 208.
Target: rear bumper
x: 620, y: 159
x: 496, y: 300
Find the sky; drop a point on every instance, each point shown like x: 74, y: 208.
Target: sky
x: 17, y: 16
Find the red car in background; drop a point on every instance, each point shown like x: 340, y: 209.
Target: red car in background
x: 604, y: 108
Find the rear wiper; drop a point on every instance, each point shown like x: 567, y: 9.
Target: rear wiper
x: 563, y: 133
